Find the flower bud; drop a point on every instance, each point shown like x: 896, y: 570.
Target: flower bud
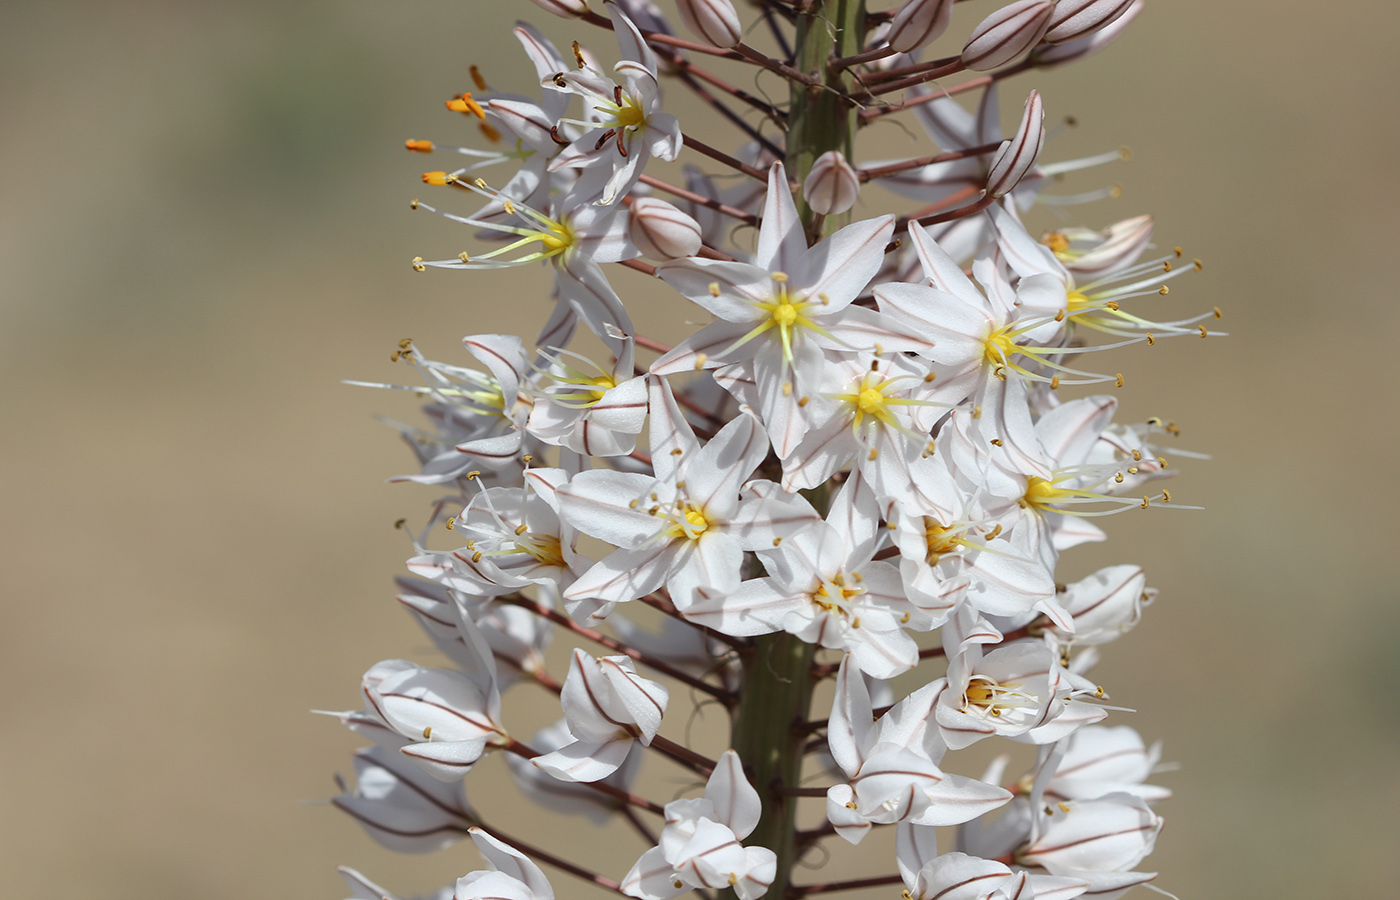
x: 1016, y: 156
x: 661, y: 231
x: 1049, y: 55
x: 918, y: 23
x: 1007, y: 33
x: 568, y: 9
x: 713, y: 21
x: 832, y: 186
x: 1075, y: 19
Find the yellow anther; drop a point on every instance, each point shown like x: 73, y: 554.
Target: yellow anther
x: 509, y: 206
x: 405, y: 343
x: 521, y: 529
x: 1150, y: 339
x: 803, y: 401
x: 1167, y: 495
x: 976, y: 411
x: 1204, y: 333
x: 780, y: 277
x: 1056, y: 241
x: 700, y: 361
x: 777, y: 541
x: 1112, y: 304
x: 413, y: 204
x: 451, y: 523
x: 676, y: 451
x: 428, y: 733
x: 1137, y: 454
x: 1125, y: 154
x: 1054, y: 382
x: 930, y: 377
x: 632, y: 504
x: 476, y: 557
x: 464, y: 257
x: 1167, y: 266
x: 1161, y: 462
x: 1063, y: 807
x: 1177, y: 251
x: 418, y: 264
x: 733, y: 879
x: 714, y: 288
x: 419, y: 146
x: 787, y: 388
x: 1146, y: 503
x: 874, y: 454
x: 1059, y: 315
x: 996, y: 442
x: 1197, y: 265
x: 481, y: 183
x: 1217, y: 312
x: 1164, y: 290
x: 473, y: 475
x: 1132, y: 470
x: 1118, y: 478
x: 578, y: 58
x: 1118, y: 379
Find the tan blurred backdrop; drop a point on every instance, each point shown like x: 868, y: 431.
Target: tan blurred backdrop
x: 204, y: 225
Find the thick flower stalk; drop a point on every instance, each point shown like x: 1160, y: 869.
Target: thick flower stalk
x: 863, y: 465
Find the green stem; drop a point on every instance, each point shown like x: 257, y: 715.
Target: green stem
x: 776, y: 698
x: 821, y: 118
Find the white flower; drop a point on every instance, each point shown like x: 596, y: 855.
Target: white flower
x: 686, y: 527
x: 781, y: 312
x: 892, y: 766
x: 607, y: 705
x: 825, y: 587
x: 511, y: 876
x: 625, y: 126
x: 701, y: 845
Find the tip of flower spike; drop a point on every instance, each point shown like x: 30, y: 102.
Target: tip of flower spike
x: 419, y: 146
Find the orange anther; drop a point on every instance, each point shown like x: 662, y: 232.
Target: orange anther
x: 419, y: 146
x: 438, y: 178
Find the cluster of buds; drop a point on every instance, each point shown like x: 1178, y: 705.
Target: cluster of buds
x: 864, y: 467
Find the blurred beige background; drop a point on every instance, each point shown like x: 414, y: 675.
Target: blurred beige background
x: 204, y: 225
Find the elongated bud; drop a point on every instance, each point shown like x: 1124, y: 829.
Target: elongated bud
x: 1049, y: 55
x: 1074, y: 19
x: 918, y: 23
x: 568, y: 9
x: 1007, y: 33
x: 661, y: 231
x: 832, y: 186
x: 1016, y: 156
x: 713, y: 21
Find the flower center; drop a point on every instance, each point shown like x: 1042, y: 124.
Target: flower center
x: 689, y: 523
x: 545, y: 548
x: 992, y: 697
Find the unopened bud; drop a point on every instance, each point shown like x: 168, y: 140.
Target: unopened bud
x: 568, y: 9
x: 713, y: 21
x: 661, y: 231
x: 1074, y: 19
x: 1049, y: 55
x: 832, y: 186
x: 1016, y: 156
x: 1007, y: 33
x: 918, y: 23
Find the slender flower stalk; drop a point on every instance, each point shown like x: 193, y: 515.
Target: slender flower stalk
x: 863, y: 469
